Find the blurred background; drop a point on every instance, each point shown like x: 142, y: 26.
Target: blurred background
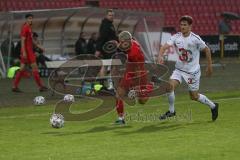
x: 58, y: 25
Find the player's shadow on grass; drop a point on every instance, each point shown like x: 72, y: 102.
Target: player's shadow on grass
x: 152, y: 128
x: 105, y: 129
x: 161, y: 127
x: 165, y: 126
x: 92, y: 130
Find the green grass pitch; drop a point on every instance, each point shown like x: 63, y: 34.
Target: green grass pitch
x: 26, y: 134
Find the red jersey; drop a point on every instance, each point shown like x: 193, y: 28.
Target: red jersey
x: 135, y: 73
x: 135, y: 53
x: 26, y: 32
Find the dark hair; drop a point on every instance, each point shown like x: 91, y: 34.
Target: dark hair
x: 35, y: 34
x: 28, y: 15
x: 109, y: 10
x: 187, y: 18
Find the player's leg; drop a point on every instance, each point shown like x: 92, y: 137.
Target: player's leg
x: 103, y: 73
x: 120, y: 105
x: 37, y: 77
x: 175, y: 80
x: 204, y: 100
x: 193, y: 81
x: 18, y: 77
x: 145, y: 89
x: 109, y: 80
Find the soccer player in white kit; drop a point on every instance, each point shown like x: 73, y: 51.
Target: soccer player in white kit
x: 188, y: 46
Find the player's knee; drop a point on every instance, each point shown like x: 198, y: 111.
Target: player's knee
x: 143, y: 100
x: 170, y: 88
x: 194, y: 97
x: 120, y: 92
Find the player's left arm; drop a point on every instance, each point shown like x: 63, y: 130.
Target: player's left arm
x: 37, y: 44
x: 209, y: 70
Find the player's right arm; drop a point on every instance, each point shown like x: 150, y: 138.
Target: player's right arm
x: 23, y: 36
x: 24, y: 54
x: 166, y: 46
x: 162, y: 51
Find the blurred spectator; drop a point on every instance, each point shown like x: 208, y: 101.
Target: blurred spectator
x: 107, y: 33
x: 17, y: 50
x: 38, y: 49
x: 224, y: 26
x: 92, y: 42
x: 81, y: 44
x: 5, y: 49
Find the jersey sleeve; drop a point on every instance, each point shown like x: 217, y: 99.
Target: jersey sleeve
x: 24, y: 31
x: 172, y: 39
x: 201, y: 44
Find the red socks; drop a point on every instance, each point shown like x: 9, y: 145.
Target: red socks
x: 20, y: 74
x: 120, y: 107
x: 37, y: 78
x: 17, y: 79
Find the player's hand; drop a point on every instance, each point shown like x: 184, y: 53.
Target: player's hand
x: 160, y: 60
x: 97, y: 53
x: 209, y: 71
x: 43, y: 49
x: 24, y: 55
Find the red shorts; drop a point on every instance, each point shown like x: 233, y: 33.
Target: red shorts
x: 30, y: 59
x: 137, y: 81
x: 131, y: 80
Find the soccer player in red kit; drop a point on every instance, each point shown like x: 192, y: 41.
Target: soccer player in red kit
x: 27, y: 55
x: 134, y: 77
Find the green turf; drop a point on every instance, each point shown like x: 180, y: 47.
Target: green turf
x: 26, y: 134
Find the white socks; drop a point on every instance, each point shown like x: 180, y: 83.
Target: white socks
x: 121, y: 118
x: 203, y: 99
x: 110, y: 84
x: 171, y: 99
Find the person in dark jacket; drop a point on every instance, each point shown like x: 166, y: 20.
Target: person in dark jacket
x: 5, y: 49
x: 39, y: 51
x: 81, y: 44
x: 107, y: 33
x: 92, y: 42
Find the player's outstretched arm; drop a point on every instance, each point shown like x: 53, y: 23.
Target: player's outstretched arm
x: 161, y: 53
x: 209, y: 61
x: 23, y: 47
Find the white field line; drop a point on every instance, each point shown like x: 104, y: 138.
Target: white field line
x: 161, y: 104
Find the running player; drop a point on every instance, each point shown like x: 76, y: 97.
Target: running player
x: 27, y: 55
x: 134, y: 77
x: 188, y: 46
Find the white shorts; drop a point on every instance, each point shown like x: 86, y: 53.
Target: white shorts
x: 191, y: 79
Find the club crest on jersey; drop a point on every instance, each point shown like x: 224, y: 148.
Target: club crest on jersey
x: 185, y: 55
x: 179, y: 44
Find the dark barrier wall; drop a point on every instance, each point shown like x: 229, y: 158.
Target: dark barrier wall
x: 231, y: 45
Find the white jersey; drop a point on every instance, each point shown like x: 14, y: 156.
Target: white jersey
x: 188, y: 49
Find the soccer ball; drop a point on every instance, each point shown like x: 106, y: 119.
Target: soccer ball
x: 69, y: 98
x: 132, y: 94
x: 39, y: 100
x: 57, y: 120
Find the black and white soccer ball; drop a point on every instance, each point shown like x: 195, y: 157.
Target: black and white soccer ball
x: 132, y: 94
x: 68, y: 98
x: 57, y: 120
x: 39, y: 100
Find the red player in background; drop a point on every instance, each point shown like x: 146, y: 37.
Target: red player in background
x: 135, y: 76
x: 27, y: 55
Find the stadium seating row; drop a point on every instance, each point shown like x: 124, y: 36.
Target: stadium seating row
x: 13, y: 5
x: 207, y: 12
